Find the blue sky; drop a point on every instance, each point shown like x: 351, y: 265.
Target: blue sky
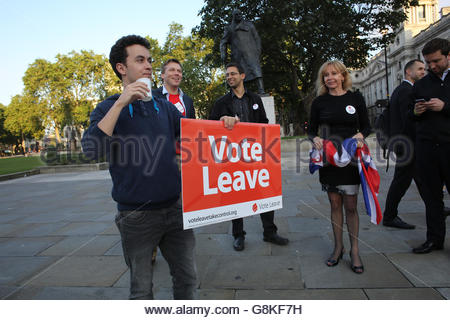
x: 41, y: 29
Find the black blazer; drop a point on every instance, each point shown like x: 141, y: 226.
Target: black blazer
x: 188, y: 103
x: 400, y: 103
x: 224, y: 107
x: 431, y: 125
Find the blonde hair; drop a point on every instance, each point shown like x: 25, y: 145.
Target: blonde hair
x: 340, y: 67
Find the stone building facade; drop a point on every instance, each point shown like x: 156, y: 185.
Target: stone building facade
x: 424, y: 22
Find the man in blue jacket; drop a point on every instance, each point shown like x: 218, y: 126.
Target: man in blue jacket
x: 172, y: 75
x: 137, y: 137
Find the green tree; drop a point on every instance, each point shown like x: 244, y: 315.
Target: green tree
x: 6, y: 137
x: 23, y: 119
x: 88, y: 80
x: 299, y: 35
x: 67, y: 90
x: 42, y: 81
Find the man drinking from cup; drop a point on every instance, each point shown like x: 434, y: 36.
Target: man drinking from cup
x: 137, y: 137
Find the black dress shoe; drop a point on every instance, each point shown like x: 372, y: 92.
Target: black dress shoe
x: 238, y: 243
x: 446, y: 212
x: 331, y: 262
x: 398, y: 223
x: 276, y: 239
x: 356, y: 269
x: 427, y: 247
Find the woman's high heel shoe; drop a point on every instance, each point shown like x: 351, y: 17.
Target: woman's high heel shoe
x: 334, y: 262
x: 356, y: 269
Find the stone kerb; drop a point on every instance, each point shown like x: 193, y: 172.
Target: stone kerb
x: 10, y: 176
x: 74, y: 168
x: 56, y: 169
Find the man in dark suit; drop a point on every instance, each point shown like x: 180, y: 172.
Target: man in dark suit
x: 243, y: 105
x: 402, y: 131
x: 172, y: 75
x: 432, y: 112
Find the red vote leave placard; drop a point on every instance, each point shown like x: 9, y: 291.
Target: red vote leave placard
x: 229, y: 174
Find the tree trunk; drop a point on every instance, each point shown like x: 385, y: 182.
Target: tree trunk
x: 23, y: 144
x: 57, y: 135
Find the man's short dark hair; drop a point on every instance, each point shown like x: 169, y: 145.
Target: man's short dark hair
x: 236, y: 65
x: 410, y: 63
x: 436, y: 44
x: 119, y: 52
x: 163, y: 68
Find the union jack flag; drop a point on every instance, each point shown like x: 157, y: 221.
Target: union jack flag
x: 370, y: 179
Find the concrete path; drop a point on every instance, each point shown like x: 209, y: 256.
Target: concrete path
x: 58, y: 241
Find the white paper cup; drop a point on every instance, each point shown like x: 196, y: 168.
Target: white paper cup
x: 149, y: 85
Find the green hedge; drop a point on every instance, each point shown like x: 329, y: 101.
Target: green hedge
x: 52, y: 157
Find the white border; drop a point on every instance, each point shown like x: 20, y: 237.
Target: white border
x: 248, y: 309
x: 243, y: 209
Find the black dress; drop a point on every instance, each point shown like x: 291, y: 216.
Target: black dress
x: 338, y: 118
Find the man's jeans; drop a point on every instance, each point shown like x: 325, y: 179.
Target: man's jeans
x: 141, y: 231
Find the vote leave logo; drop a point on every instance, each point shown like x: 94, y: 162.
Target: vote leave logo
x: 224, y: 172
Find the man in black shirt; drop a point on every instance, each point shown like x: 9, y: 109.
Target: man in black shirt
x: 243, y: 105
x: 403, y: 132
x: 432, y: 112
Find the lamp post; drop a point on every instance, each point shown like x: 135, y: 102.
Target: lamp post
x: 386, y: 68
x: 384, y: 33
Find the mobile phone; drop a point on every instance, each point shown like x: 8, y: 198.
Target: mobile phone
x: 419, y: 100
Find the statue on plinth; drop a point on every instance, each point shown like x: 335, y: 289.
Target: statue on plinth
x: 245, y: 45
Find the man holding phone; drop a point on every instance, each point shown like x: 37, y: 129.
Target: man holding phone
x: 433, y: 138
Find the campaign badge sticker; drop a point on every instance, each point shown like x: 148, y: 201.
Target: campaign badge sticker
x: 350, y: 109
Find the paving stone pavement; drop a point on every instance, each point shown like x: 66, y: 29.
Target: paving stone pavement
x: 58, y: 241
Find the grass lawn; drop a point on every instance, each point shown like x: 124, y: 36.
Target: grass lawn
x: 18, y: 164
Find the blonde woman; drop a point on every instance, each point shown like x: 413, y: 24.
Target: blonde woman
x: 337, y: 114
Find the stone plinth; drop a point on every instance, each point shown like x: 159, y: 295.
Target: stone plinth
x: 269, y: 106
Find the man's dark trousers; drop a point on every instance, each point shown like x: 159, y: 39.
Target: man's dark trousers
x: 405, y: 171
x: 267, y: 221
x: 433, y: 160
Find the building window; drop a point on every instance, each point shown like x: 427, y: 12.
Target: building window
x: 422, y: 12
x: 399, y: 65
